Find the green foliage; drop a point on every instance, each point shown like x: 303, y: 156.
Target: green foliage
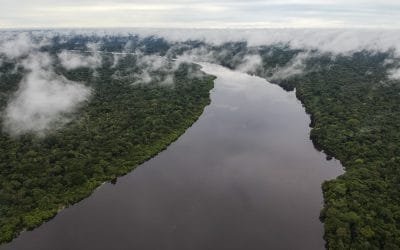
x: 120, y: 127
x: 356, y: 118
x: 355, y: 115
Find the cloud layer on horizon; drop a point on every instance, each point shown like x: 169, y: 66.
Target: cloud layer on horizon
x: 46, y: 100
x: 200, y: 14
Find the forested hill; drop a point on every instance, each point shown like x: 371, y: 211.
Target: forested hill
x: 125, y: 121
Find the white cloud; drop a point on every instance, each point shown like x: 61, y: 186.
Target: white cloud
x: 250, y: 63
x: 200, y: 14
x: 294, y: 67
x: 152, y: 62
x: 108, y: 7
x: 325, y: 40
x: 14, y: 45
x: 394, y: 74
x: 148, y: 68
x: 168, y: 79
x: 72, y: 60
x: 43, y: 100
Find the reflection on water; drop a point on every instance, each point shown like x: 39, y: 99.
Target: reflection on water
x: 244, y: 176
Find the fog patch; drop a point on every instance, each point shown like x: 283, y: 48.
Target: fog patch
x: 168, y: 79
x: 44, y: 100
x: 14, y: 45
x: 337, y: 41
x: 152, y: 62
x: 153, y: 69
x: 296, y: 66
x: 116, y: 59
x: 194, y: 73
x: 250, y: 64
x: 201, y: 54
x: 394, y: 74
x: 147, y: 69
x: 388, y: 61
x: 74, y: 59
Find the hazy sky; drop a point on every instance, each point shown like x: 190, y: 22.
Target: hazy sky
x: 200, y: 13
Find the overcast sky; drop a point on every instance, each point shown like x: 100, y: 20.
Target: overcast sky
x: 200, y: 13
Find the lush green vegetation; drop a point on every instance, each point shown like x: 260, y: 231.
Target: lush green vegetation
x: 121, y: 126
x: 356, y: 118
x: 355, y: 113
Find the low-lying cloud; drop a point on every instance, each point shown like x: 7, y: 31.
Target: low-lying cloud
x: 294, y: 67
x: 44, y: 99
x: 74, y: 59
x: 15, y: 45
x: 148, y: 69
x: 250, y: 63
x: 338, y: 41
x: 394, y: 74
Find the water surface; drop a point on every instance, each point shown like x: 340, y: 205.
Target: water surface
x: 244, y: 176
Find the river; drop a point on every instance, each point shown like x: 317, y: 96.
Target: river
x: 244, y: 176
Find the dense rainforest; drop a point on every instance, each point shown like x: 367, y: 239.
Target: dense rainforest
x: 353, y: 104
x: 356, y: 118
x: 120, y: 126
x: 355, y: 113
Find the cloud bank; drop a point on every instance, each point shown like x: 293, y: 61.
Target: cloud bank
x: 200, y: 13
x: 73, y: 59
x: 250, y: 63
x: 44, y: 100
x: 394, y: 74
x: 148, y: 69
x: 296, y: 66
x: 15, y: 45
x: 325, y: 40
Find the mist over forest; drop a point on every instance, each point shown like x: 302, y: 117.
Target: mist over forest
x: 81, y: 107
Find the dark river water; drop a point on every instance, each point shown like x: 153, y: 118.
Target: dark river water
x: 244, y: 176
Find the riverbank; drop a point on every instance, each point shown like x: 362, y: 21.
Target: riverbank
x: 121, y: 128
x: 245, y: 175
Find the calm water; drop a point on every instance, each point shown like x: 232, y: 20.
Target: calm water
x: 244, y: 176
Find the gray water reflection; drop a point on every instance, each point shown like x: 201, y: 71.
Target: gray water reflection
x: 244, y: 176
